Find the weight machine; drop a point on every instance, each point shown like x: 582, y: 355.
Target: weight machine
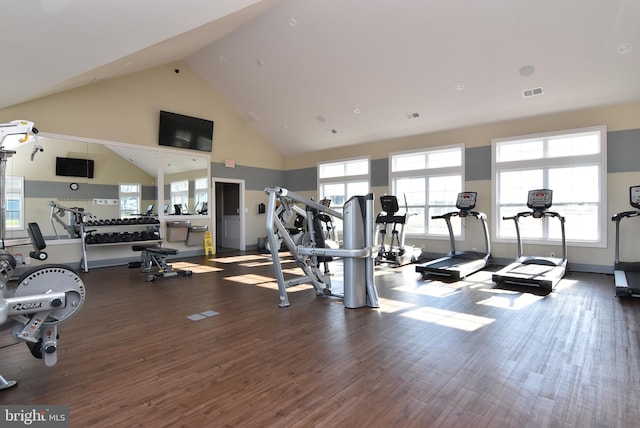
x: 46, y: 295
x: 75, y: 218
x: 313, y: 254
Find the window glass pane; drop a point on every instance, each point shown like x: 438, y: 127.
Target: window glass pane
x: 574, y: 184
x: 411, y: 188
x: 180, y: 186
x: 582, y: 221
x: 443, y: 190
x: 515, y: 186
x: 357, y: 188
x: 519, y: 150
x: 335, y: 192
x: 444, y: 158
x: 358, y: 167
x: 408, y: 162
x: 574, y: 145
x: 416, y: 221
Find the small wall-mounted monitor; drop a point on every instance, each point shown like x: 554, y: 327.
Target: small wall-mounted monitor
x: 185, y: 132
x: 72, y: 167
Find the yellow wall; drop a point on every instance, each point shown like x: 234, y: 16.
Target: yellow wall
x: 126, y: 110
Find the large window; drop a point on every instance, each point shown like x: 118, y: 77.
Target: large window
x: 427, y: 182
x: 14, y: 199
x: 130, y: 195
x: 341, y: 180
x: 571, y: 163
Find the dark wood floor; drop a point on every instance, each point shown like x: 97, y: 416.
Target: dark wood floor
x: 434, y: 354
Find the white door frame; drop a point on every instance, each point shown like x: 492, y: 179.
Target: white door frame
x: 242, y: 244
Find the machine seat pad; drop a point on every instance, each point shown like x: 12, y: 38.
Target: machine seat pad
x: 142, y: 247
x: 162, y: 250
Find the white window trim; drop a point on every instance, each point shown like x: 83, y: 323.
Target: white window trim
x: 569, y: 161
x: 433, y: 172
x: 343, y: 178
x: 138, y: 194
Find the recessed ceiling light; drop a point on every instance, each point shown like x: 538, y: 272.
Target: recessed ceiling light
x: 293, y: 22
x: 526, y: 70
x: 356, y: 111
x: 222, y: 59
x: 260, y: 61
x: 624, y: 48
x: 459, y: 86
x: 320, y: 119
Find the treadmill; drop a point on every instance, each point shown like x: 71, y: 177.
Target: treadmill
x: 459, y: 264
x: 542, y: 272
x: 627, y: 274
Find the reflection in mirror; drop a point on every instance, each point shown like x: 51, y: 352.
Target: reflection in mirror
x: 124, y: 184
x: 186, y: 184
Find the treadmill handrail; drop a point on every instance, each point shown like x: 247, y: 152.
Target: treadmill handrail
x: 545, y: 214
x: 480, y: 216
x: 624, y: 214
x: 616, y: 218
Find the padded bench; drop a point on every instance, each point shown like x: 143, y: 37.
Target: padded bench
x: 154, y: 259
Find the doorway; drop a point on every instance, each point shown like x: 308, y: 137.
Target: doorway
x: 229, y: 214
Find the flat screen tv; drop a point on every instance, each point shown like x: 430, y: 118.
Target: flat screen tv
x: 73, y: 167
x: 185, y: 132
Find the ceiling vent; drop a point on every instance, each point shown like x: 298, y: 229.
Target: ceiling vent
x: 532, y: 92
x: 413, y: 116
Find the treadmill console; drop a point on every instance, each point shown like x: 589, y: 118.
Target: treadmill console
x: 634, y: 196
x: 466, y: 201
x: 540, y: 199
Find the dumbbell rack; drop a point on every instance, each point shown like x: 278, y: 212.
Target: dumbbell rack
x: 117, y: 232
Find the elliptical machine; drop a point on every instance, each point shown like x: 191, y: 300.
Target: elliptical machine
x: 387, y: 222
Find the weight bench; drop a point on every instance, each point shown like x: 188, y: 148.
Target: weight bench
x: 154, y: 259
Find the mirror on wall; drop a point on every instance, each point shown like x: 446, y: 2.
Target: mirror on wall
x: 115, y: 181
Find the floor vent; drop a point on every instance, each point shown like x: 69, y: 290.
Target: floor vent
x: 532, y: 92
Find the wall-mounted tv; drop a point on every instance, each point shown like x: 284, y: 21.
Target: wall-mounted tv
x: 185, y: 132
x: 73, y: 167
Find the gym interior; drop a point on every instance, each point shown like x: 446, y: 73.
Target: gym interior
x: 206, y: 306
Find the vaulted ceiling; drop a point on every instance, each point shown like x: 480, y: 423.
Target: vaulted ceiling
x: 315, y: 74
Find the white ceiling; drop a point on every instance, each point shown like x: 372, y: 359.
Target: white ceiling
x: 299, y: 70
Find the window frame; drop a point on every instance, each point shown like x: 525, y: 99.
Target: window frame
x: 343, y: 179
x: 546, y: 164
x: 432, y: 172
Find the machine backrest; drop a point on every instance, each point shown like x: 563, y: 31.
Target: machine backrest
x: 37, y: 240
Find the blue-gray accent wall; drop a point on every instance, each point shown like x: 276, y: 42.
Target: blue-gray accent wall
x: 255, y: 178
x: 623, y: 151
x: 477, y: 163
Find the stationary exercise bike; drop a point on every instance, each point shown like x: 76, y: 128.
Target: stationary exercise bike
x: 46, y: 295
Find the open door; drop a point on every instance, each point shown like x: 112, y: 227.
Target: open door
x: 229, y: 214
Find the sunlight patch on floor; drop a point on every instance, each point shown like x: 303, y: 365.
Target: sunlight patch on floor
x: 274, y: 286
x: 390, y: 306
x: 195, y: 267
x: 509, y: 299
x: 249, y: 278
x: 237, y: 259
x: 433, y: 289
x: 445, y: 318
